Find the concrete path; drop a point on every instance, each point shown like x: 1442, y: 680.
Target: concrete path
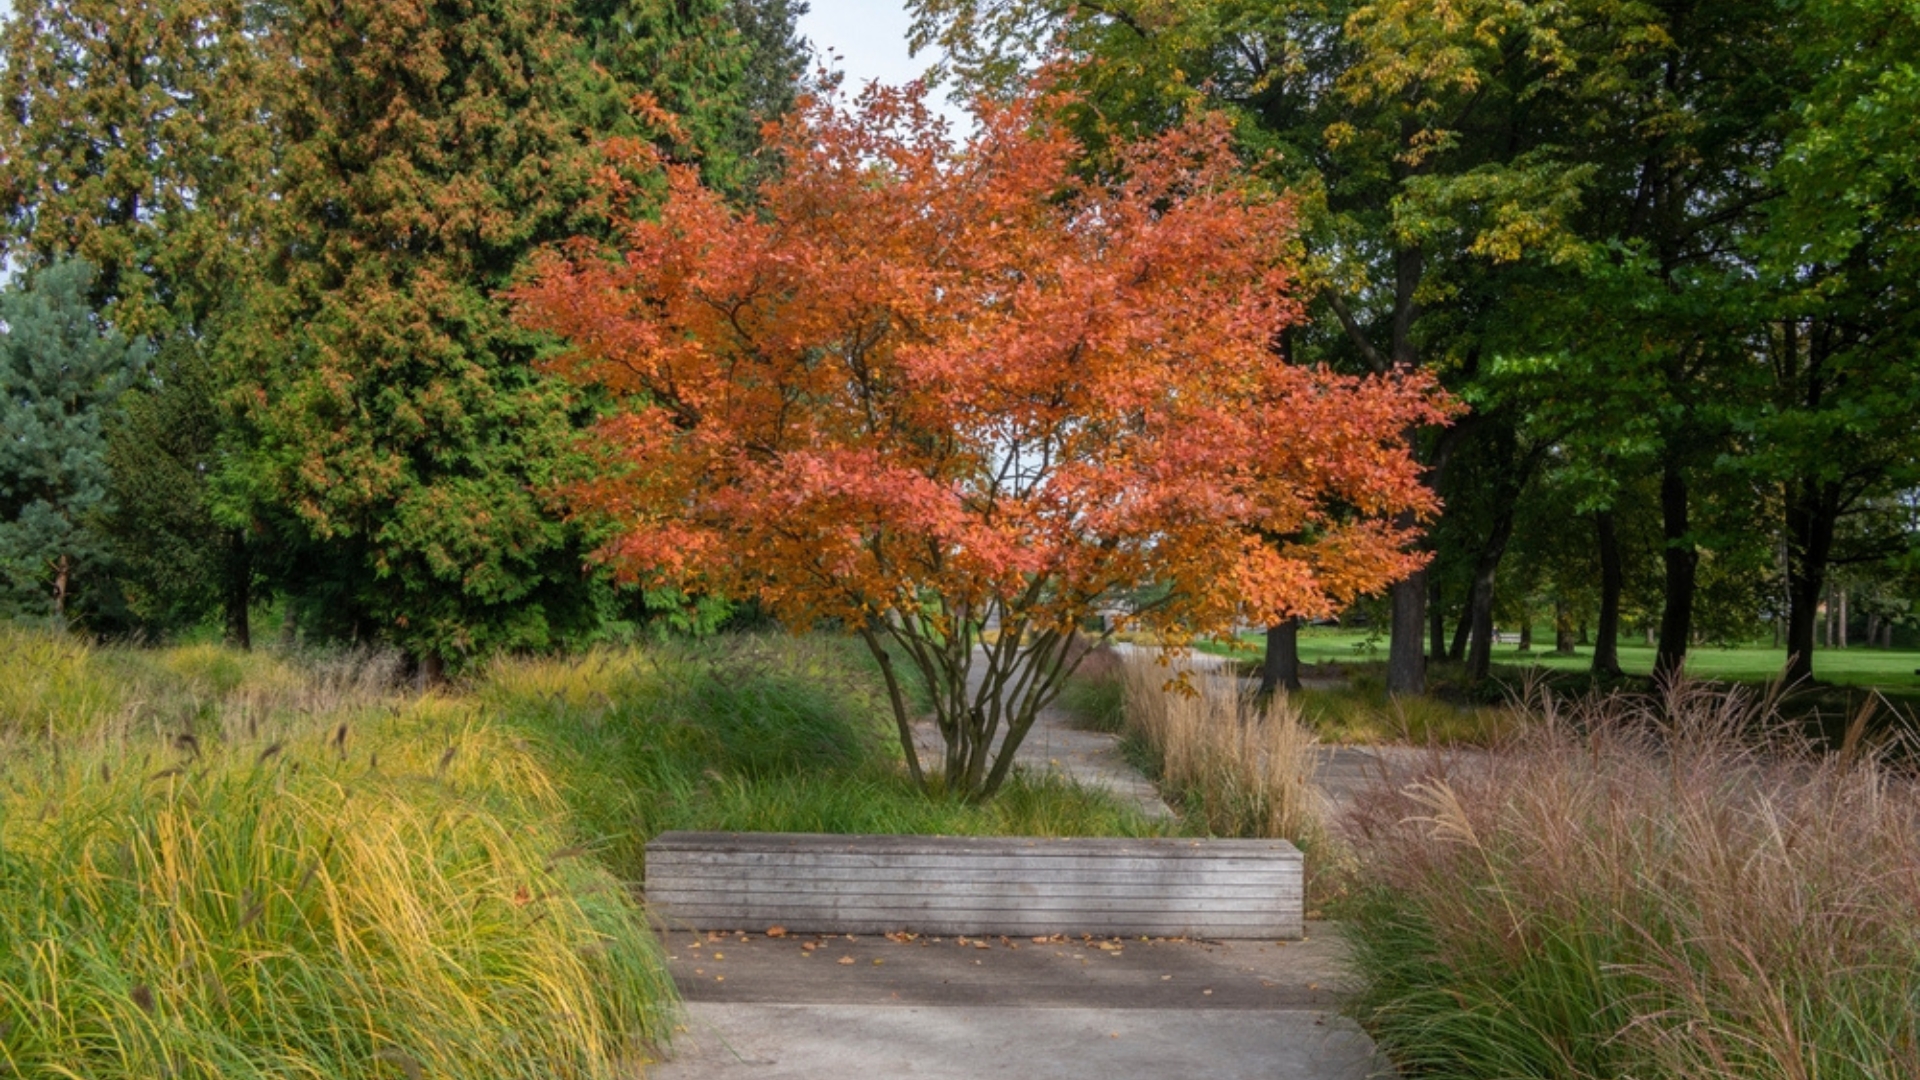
x: 905, y: 1006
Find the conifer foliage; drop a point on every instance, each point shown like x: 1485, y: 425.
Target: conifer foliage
x: 62, y: 373
x: 932, y: 391
x: 402, y: 423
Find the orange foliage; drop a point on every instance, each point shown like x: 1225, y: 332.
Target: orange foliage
x: 927, y: 377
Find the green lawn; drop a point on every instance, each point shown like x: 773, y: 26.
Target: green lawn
x: 1882, y: 668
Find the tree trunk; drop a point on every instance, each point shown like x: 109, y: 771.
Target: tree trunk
x: 1681, y: 562
x: 239, y: 590
x: 1480, y: 602
x: 1562, y: 628
x: 1526, y: 632
x: 1282, y: 667
x: 1462, y: 630
x: 1840, y: 622
x: 62, y: 580
x: 1606, y: 643
x: 1406, y: 660
x: 1436, y: 621
x: 1810, y: 526
x: 1873, y: 629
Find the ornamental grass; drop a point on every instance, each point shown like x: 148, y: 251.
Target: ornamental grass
x: 1666, y: 886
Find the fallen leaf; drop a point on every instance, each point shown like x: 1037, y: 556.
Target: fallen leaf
x: 981, y: 945
x: 719, y: 978
x: 809, y: 946
x: 719, y: 956
x: 1166, y: 978
x: 877, y: 963
x: 776, y: 931
x: 846, y: 959
x: 1207, y: 993
x: 1040, y: 941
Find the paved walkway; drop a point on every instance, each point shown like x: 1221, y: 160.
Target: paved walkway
x: 877, y: 1007
x: 787, y: 1007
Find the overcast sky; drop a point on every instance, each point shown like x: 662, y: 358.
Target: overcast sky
x: 869, y: 37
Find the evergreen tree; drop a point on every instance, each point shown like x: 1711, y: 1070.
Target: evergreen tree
x: 62, y: 374
x: 722, y: 67
x: 135, y: 136
x: 403, y: 425
x: 140, y: 135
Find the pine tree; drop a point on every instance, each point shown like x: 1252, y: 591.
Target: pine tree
x: 62, y: 374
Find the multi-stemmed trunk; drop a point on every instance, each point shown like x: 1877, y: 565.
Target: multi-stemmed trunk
x: 981, y: 721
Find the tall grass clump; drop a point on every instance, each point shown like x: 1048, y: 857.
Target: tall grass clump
x: 387, y: 888
x: 1670, y: 886
x: 1233, y: 766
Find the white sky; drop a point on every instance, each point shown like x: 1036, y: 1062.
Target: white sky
x: 869, y: 37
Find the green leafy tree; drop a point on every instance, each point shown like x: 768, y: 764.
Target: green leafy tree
x: 1834, y: 429
x: 721, y: 67
x: 62, y: 374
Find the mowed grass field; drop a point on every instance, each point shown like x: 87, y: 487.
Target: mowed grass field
x: 1891, y: 669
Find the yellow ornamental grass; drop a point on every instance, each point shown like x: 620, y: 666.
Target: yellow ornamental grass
x: 386, y: 893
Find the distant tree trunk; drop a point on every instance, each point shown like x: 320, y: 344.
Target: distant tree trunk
x: 1606, y: 645
x: 1873, y: 629
x: 1526, y: 632
x: 1810, y: 527
x: 62, y: 581
x: 1840, y: 622
x: 1436, y: 621
x: 1480, y: 603
x: 1682, y: 562
x: 1462, y: 630
x: 1282, y: 666
x: 1584, y: 640
x: 1886, y: 634
x: 1562, y: 628
x: 239, y: 590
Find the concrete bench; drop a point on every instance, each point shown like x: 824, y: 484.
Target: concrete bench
x: 812, y: 883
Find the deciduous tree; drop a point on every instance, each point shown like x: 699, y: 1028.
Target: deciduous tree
x: 953, y: 397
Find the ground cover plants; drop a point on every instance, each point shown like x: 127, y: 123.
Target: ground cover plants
x: 1666, y: 886
x: 216, y: 863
